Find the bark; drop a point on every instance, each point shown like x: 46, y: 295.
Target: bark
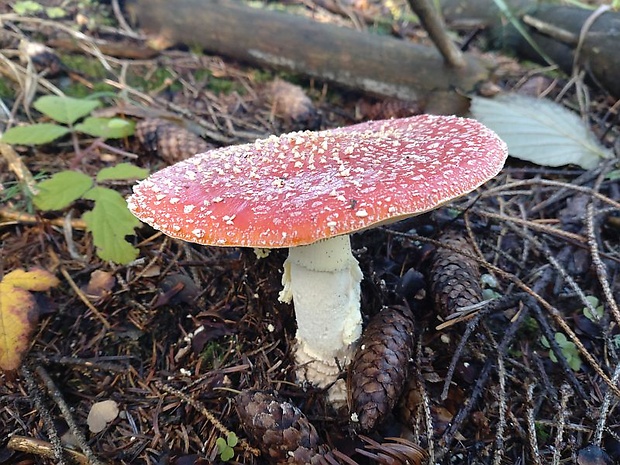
x: 556, y: 29
x: 379, y: 65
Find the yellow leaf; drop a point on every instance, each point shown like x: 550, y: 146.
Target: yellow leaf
x: 33, y: 280
x: 18, y: 313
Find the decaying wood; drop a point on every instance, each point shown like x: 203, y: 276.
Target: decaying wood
x: 564, y: 33
x: 363, y: 61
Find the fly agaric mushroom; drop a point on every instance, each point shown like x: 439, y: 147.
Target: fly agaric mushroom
x: 308, y: 191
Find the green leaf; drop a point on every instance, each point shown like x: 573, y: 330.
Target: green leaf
x: 122, y: 171
x: 225, y: 447
x: 55, y: 12
x: 569, y: 351
x: 106, y: 128
x: 26, y: 7
x: 227, y: 454
x: 34, y: 134
x: 232, y: 439
x: 109, y: 222
x: 61, y: 190
x: 65, y: 110
x: 540, y: 131
x: 221, y: 444
x: 599, y: 311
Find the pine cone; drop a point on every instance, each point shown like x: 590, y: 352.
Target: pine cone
x: 281, y: 430
x: 379, y: 369
x: 454, y: 279
x: 168, y: 140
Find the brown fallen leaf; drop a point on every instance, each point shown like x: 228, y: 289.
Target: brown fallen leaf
x: 18, y: 312
x: 99, y: 286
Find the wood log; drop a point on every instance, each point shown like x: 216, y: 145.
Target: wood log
x: 556, y: 29
x: 379, y: 65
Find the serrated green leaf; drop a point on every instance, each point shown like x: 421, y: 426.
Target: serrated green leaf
x: 109, y: 222
x: 65, y: 110
x: 34, y: 134
x: 106, y: 128
x: 61, y: 190
x: 540, y: 131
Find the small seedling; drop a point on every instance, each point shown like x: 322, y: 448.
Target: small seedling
x: 599, y: 311
x: 109, y: 221
x: 490, y: 287
x: 67, y: 111
x: 226, y: 446
x: 569, y: 351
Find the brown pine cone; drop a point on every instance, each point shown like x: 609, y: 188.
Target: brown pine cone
x: 454, y: 279
x: 168, y: 140
x: 279, y: 429
x: 379, y: 369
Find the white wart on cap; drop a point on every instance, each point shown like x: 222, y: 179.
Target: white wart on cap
x: 305, y: 186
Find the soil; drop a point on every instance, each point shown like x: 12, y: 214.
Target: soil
x: 174, y: 336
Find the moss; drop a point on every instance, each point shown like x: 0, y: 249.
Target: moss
x: 92, y: 71
x: 260, y: 76
x: 6, y: 89
x: 218, y: 85
x: 212, y: 354
x: 88, y: 65
x: 224, y: 86
x: 155, y: 80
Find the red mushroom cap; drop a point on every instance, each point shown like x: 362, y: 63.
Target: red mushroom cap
x: 305, y: 186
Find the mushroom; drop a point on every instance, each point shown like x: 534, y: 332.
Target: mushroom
x: 308, y: 191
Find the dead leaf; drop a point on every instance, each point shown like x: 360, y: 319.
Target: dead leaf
x: 100, y: 285
x: 101, y: 413
x: 18, y: 312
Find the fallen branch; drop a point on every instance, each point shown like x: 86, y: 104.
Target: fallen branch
x: 379, y: 65
x: 572, y: 37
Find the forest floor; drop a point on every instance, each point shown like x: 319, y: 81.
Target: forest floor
x: 175, y: 335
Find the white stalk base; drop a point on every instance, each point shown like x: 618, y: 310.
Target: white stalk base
x: 323, y: 281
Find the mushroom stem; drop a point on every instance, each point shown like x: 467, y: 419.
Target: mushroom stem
x: 323, y: 281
